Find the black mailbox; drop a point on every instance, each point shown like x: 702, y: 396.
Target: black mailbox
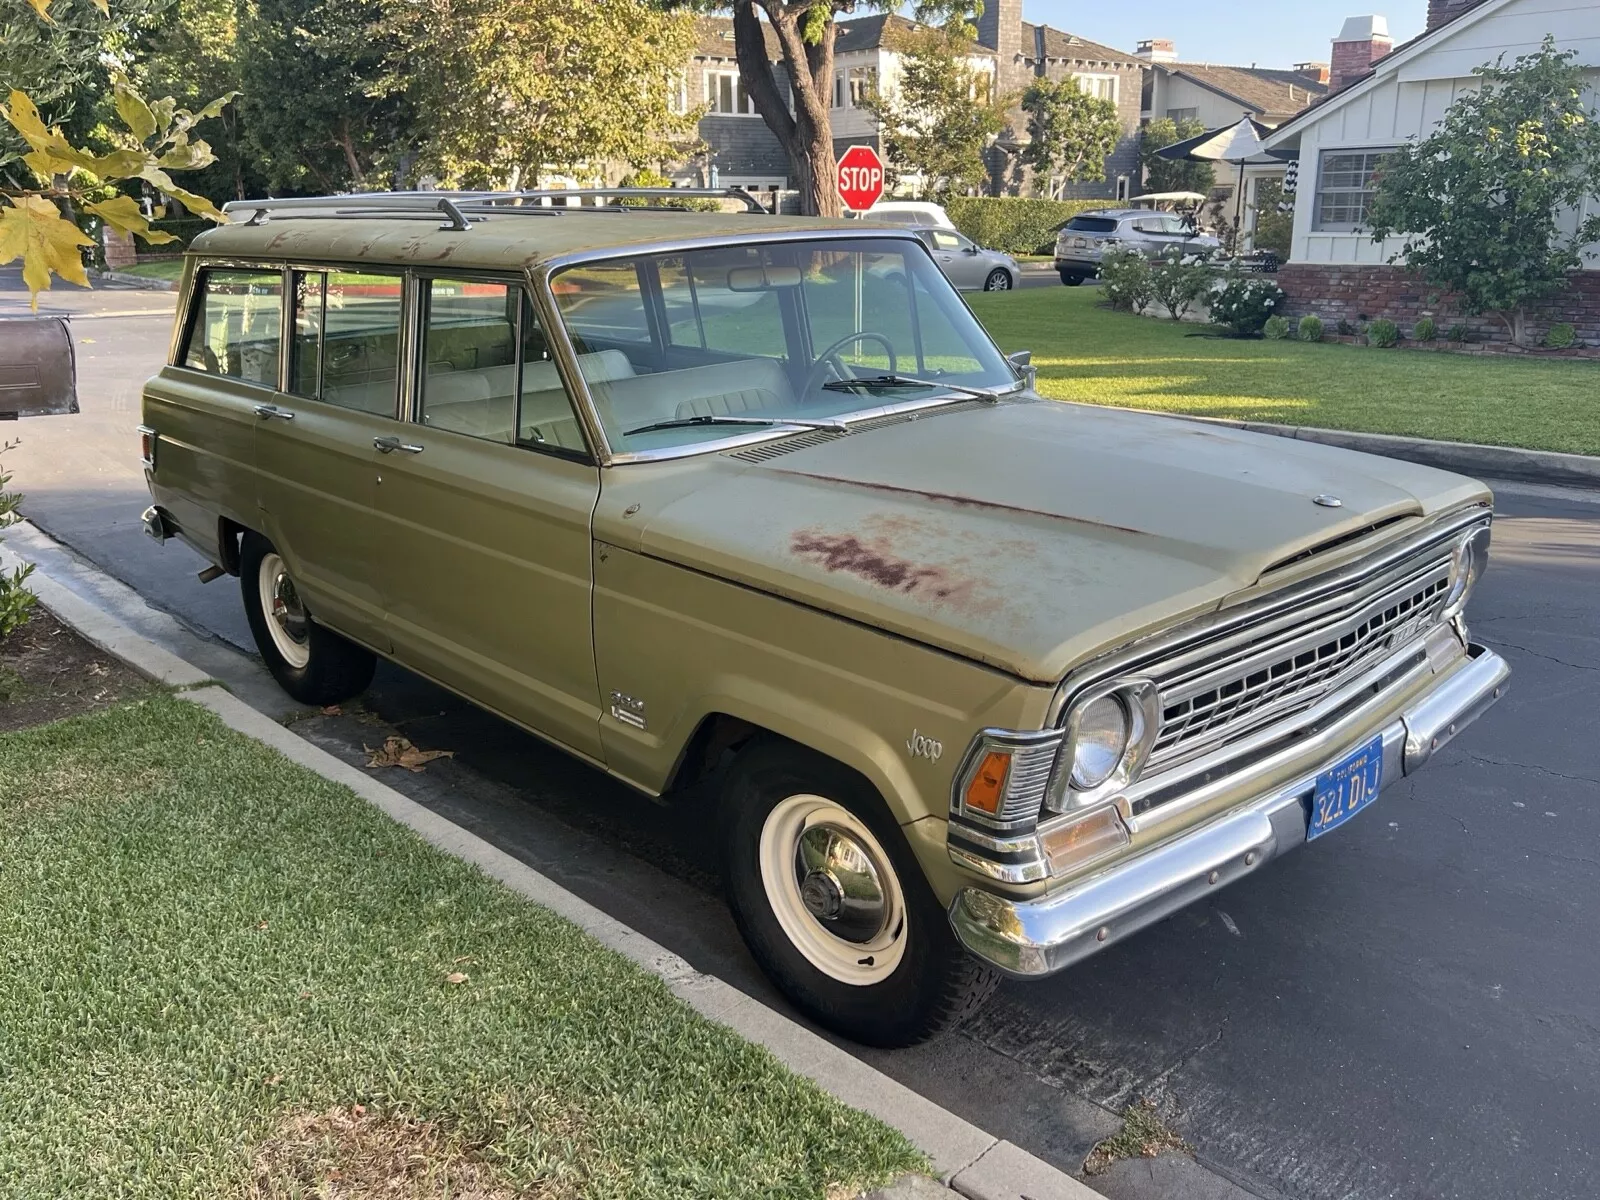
x: 38, y: 374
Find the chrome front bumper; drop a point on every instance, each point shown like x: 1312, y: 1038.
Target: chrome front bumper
x: 1030, y: 938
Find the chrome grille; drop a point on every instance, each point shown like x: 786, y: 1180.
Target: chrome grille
x: 1268, y: 673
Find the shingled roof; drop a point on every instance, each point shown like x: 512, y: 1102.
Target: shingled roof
x: 716, y: 39
x: 1264, y: 89
x: 1069, y: 47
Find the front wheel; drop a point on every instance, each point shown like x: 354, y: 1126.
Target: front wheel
x: 833, y: 905
x: 999, y: 280
x: 313, y: 664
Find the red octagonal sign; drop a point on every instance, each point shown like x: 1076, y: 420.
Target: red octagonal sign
x: 860, y: 178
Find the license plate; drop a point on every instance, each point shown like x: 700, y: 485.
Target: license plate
x: 1080, y: 241
x: 1345, y: 788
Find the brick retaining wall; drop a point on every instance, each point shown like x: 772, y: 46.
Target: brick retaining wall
x: 1365, y: 293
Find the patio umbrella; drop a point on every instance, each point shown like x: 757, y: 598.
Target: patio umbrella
x: 1228, y: 143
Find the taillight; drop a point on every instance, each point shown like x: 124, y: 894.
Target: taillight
x: 147, y: 447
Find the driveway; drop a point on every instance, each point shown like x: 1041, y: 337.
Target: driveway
x: 1408, y: 1008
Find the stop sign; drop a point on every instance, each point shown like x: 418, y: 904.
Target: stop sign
x: 860, y: 177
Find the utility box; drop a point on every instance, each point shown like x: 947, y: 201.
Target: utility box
x: 38, y: 373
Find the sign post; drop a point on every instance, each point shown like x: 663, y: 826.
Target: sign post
x: 860, y: 178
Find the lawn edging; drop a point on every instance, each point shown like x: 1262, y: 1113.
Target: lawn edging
x: 148, y: 283
x: 972, y: 1162
x: 1469, y: 458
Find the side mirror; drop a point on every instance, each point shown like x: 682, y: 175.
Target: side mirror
x: 1022, y: 360
x: 972, y: 250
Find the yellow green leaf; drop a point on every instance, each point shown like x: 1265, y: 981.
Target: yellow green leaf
x: 187, y: 156
x: 135, y: 113
x: 42, y: 7
x: 33, y: 229
x: 124, y: 213
x: 104, y: 6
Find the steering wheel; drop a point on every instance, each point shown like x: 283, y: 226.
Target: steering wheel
x: 829, y: 357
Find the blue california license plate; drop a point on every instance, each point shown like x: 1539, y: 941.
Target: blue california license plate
x: 1345, y: 788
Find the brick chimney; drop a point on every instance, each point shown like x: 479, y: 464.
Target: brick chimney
x: 1000, y: 28
x: 1157, y: 50
x: 1362, y: 42
x: 1315, y: 71
x: 1441, y: 11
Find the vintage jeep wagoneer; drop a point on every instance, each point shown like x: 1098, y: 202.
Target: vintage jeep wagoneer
x: 989, y: 682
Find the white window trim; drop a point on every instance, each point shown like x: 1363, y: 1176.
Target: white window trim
x: 1336, y: 227
x: 1085, y: 79
x: 712, y: 89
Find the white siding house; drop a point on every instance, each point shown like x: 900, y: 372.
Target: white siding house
x: 1340, y: 140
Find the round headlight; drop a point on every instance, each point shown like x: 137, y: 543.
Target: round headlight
x: 1099, y: 741
x: 1466, y: 567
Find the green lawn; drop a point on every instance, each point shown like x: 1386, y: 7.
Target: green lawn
x: 1088, y: 353
x: 169, y: 269
x: 213, y: 957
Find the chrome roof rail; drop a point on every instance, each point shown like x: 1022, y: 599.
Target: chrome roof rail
x: 458, y: 206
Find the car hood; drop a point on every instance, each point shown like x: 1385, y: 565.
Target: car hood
x: 1029, y: 534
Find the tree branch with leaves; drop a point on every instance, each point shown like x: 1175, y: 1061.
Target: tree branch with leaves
x: 1487, y: 206
x: 1070, y: 133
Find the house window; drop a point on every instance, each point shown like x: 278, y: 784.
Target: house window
x: 678, y: 93
x: 1183, y: 114
x: 1346, y: 183
x: 1101, y: 87
x: 725, y: 94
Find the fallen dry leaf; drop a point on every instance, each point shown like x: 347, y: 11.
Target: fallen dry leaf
x: 275, y: 1081
x: 455, y: 977
x: 398, y: 752
x: 332, y: 710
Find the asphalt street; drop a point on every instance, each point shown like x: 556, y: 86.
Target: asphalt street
x: 1409, y: 1008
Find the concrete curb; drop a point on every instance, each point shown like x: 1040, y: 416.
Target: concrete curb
x: 1469, y: 458
x: 139, y: 281
x: 973, y: 1163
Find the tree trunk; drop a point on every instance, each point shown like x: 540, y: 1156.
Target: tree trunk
x: 349, y: 148
x: 806, y: 135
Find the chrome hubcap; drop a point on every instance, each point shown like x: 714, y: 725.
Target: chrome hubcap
x: 287, y: 610
x: 839, y: 883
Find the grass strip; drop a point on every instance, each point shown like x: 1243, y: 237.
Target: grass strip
x: 1090, y: 354
x: 226, y: 976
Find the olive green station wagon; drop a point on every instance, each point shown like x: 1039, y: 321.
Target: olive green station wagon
x: 987, y: 682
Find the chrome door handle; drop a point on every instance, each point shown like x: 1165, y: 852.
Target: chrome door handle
x: 388, y: 445
x: 272, y: 411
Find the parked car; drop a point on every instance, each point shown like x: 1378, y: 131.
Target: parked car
x: 986, y: 683
x: 1083, y: 241
x: 968, y: 265
x: 908, y: 212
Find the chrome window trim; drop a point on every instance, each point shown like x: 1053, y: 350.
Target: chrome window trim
x: 566, y: 357
x: 1239, y: 623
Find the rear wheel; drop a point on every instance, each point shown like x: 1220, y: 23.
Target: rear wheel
x: 1071, y: 278
x: 313, y: 664
x: 999, y: 280
x: 833, y: 905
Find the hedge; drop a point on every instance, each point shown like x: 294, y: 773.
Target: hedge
x: 1016, y: 224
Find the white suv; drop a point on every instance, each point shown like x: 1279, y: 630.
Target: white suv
x: 1083, y: 241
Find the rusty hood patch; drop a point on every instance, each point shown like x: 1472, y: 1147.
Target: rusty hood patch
x: 1031, y: 535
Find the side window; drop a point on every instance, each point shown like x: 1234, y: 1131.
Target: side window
x: 346, y: 345
x: 945, y: 241
x: 545, y: 418
x: 468, y: 381
x: 234, y: 326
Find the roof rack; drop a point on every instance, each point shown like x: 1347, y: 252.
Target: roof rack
x: 459, y: 208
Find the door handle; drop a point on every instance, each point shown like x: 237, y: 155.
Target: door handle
x: 272, y: 412
x: 388, y: 445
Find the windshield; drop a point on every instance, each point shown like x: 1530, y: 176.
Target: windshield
x: 702, y: 345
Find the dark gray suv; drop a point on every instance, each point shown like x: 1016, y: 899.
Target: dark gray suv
x: 1083, y: 241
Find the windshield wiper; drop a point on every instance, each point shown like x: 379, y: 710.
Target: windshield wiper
x: 688, y: 422
x: 905, y: 381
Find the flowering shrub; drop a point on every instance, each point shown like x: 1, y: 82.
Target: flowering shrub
x: 1244, y: 303
x: 1276, y: 329
x: 1177, y: 281
x: 1125, y: 280
x: 1310, y: 328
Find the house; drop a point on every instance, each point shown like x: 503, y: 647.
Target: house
x: 1218, y: 95
x: 1335, y: 269
x: 740, y: 149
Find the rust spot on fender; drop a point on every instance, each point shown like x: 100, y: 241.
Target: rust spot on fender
x: 874, y: 562
x: 958, y: 500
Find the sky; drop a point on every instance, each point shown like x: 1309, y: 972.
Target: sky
x: 1269, y: 34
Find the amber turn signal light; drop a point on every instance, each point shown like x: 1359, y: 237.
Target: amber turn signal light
x: 988, y: 787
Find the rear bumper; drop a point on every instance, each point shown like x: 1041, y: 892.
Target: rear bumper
x: 158, y: 524
x: 1027, y: 939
